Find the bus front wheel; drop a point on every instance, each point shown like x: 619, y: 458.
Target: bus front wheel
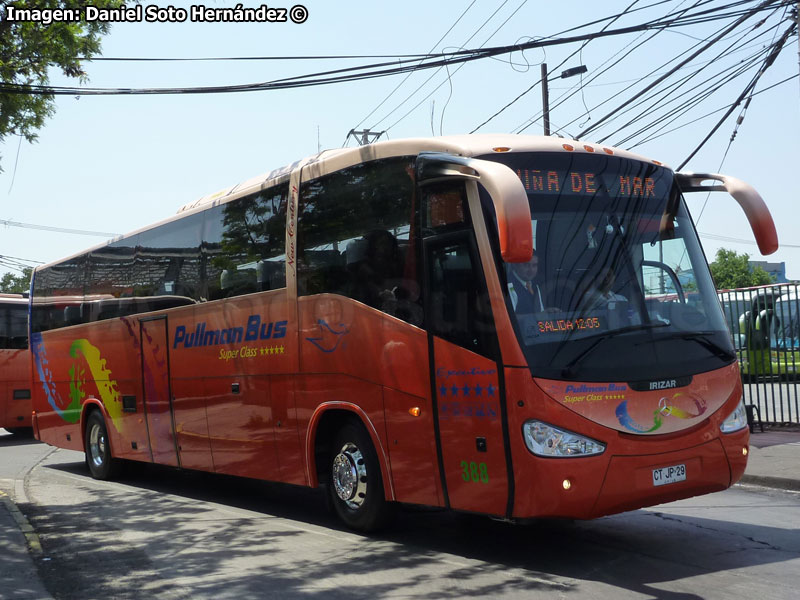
x: 356, y: 486
x: 101, y: 464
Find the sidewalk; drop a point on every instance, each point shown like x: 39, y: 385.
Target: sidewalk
x: 19, y: 578
x: 774, y: 459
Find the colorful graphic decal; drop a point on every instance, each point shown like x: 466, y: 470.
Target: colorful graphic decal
x: 70, y: 412
x: 329, y: 339
x: 659, y: 407
x: 666, y: 408
x: 83, y: 354
x: 106, y: 387
x: 468, y: 392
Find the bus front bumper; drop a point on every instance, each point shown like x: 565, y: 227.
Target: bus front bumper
x: 597, y: 486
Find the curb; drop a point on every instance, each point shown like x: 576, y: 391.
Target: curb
x: 781, y: 483
x: 34, y: 545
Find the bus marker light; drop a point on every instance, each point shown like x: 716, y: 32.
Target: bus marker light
x: 566, y: 484
x: 415, y: 412
x: 608, y: 151
x: 567, y: 147
x: 588, y: 148
x: 502, y: 149
x: 744, y: 451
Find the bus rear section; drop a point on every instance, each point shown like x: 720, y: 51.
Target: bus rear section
x: 15, y: 389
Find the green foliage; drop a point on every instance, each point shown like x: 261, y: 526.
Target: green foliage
x: 731, y: 270
x: 16, y: 284
x: 29, y: 49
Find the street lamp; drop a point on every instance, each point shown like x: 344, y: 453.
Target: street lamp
x: 546, y: 95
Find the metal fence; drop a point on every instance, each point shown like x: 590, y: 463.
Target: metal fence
x: 765, y: 325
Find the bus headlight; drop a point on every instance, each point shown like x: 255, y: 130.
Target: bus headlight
x: 736, y: 420
x: 545, y: 440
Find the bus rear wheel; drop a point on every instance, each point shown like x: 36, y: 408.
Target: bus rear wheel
x: 356, y: 486
x: 101, y: 464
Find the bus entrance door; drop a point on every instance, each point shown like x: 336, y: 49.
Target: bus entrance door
x: 466, y: 385
x: 157, y: 392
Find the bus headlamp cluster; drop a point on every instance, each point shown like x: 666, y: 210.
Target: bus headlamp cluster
x: 545, y: 440
x: 736, y: 420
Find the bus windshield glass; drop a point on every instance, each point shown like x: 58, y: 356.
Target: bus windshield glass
x: 785, y: 324
x: 618, y: 288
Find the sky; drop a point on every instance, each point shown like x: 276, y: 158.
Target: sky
x: 113, y: 164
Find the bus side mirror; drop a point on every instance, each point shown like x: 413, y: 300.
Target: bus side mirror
x: 755, y: 209
x: 505, y: 188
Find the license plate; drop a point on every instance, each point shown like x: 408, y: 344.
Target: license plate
x: 666, y: 475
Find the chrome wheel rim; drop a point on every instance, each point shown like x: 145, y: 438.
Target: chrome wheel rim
x: 350, y: 476
x: 97, y: 445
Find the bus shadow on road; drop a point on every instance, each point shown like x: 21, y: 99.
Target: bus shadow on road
x: 16, y: 439
x: 235, y: 537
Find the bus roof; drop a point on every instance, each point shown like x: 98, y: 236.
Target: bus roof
x: 13, y: 299
x: 329, y: 161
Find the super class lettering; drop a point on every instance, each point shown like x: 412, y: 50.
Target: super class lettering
x: 203, y: 337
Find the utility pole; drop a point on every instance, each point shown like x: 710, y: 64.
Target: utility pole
x: 365, y: 134
x: 546, y: 100
x: 797, y: 19
x: 546, y: 92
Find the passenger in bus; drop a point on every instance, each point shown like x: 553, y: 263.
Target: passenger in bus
x: 526, y: 295
x: 373, y: 265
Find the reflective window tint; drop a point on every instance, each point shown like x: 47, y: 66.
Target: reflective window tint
x: 228, y: 250
x: 243, y: 245
x: 355, y: 237
x: 168, y: 260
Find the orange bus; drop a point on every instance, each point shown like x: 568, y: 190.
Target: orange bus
x: 355, y: 320
x: 15, y: 365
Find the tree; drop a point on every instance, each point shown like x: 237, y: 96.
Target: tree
x: 28, y: 49
x: 16, y: 284
x: 731, y: 270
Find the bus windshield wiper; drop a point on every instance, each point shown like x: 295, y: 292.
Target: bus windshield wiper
x: 703, y: 338
x: 569, y: 370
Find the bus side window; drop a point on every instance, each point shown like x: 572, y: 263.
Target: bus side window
x: 355, y: 237
x: 243, y: 245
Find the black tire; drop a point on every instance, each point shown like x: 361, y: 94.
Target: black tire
x: 99, y: 460
x: 355, y: 487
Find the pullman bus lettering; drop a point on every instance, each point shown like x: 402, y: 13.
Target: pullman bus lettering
x: 255, y: 330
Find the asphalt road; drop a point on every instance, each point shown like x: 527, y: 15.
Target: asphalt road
x: 161, y: 533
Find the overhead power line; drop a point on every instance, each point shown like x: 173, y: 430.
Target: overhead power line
x: 57, y: 229
x: 725, y: 238
x: 776, y: 49
x: 767, y: 4
x: 384, y: 69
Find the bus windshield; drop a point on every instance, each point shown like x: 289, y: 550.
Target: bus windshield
x: 785, y: 324
x: 618, y: 288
